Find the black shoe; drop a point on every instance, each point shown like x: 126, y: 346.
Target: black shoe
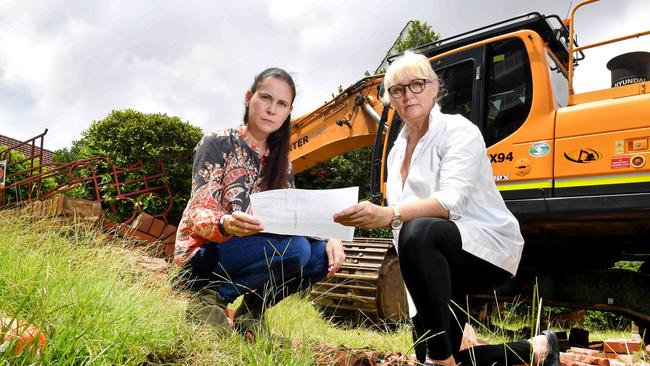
x: 249, y: 316
x: 553, y: 356
x: 252, y: 306
x: 209, y: 308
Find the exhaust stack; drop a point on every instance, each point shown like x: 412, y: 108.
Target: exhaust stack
x: 630, y: 68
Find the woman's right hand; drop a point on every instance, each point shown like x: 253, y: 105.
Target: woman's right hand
x: 364, y: 215
x: 242, y: 224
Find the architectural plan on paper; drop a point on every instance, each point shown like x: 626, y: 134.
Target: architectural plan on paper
x: 304, y: 211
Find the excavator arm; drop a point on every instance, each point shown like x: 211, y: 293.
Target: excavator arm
x: 347, y: 122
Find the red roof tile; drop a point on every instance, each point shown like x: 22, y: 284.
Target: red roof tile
x: 26, y: 149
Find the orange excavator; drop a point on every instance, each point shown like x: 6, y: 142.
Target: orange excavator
x: 571, y: 166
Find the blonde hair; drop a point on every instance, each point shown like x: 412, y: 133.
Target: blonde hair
x: 409, y: 65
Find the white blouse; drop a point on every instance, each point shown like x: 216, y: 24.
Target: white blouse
x: 450, y: 163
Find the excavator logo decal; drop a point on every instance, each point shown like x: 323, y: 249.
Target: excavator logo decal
x: 539, y: 149
x: 583, y: 156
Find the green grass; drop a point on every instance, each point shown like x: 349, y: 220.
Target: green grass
x: 91, y: 296
x: 95, y: 303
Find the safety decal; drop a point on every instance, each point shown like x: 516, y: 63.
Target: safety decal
x: 620, y: 162
x: 583, y: 156
x: 619, y: 147
x: 539, y: 149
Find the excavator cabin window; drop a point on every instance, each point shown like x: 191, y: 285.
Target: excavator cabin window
x: 508, y: 89
x: 456, y: 88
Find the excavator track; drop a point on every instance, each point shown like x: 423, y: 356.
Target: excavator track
x: 368, y: 286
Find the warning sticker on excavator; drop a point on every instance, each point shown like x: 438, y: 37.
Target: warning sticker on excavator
x: 620, y: 162
x: 619, y: 147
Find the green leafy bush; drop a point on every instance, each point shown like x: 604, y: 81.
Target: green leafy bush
x: 128, y: 136
x: 23, y: 170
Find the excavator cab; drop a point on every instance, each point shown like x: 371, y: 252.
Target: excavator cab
x: 490, y: 85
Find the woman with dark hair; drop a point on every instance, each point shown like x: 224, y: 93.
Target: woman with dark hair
x: 219, y: 241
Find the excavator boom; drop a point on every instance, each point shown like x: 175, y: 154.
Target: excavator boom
x: 347, y: 122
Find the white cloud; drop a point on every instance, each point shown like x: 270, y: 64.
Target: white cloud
x: 64, y: 64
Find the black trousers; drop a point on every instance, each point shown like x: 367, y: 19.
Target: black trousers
x: 437, y: 272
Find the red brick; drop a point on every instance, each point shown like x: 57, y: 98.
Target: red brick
x: 56, y: 207
x: 168, y: 232
x: 169, y: 250
x: 139, y: 235
x: 582, y: 351
x: 586, y: 359
x: 570, y: 362
x: 157, y: 227
x: 143, y: 222
x: 82, y: 208
x: 621, y: 346
x: 52, y: 207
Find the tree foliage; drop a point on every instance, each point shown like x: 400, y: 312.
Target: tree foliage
x: 347, y: 170
x: 128, y: 136
x: 419, y: 33
x: 20, y: 168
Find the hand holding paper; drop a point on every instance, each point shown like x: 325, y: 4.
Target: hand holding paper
x: 304, y: 212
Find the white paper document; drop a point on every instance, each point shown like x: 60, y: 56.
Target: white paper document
x: 304, y: 212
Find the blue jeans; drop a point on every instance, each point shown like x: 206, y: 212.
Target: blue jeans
x: 275, y: 266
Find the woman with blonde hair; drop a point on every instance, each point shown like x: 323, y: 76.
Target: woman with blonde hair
x: 453, y: 232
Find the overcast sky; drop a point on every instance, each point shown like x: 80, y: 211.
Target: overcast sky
x: 64, y: 64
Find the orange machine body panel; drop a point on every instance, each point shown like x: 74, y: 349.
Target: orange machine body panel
x: 603, y: 142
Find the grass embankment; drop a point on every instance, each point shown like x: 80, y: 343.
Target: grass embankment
x: 91, y: 296
x: 95, y: 303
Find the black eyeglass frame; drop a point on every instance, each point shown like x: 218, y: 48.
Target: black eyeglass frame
x: 410, y: 86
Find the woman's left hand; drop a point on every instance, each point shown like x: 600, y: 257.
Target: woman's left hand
x: 365, y: 215
x: 335, y: 256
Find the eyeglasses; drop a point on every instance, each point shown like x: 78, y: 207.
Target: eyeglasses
x: 416, y: 86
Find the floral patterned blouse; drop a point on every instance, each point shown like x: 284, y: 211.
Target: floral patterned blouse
x: 227, y: 169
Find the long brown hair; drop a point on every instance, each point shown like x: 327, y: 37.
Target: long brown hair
x: 276, y: 166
